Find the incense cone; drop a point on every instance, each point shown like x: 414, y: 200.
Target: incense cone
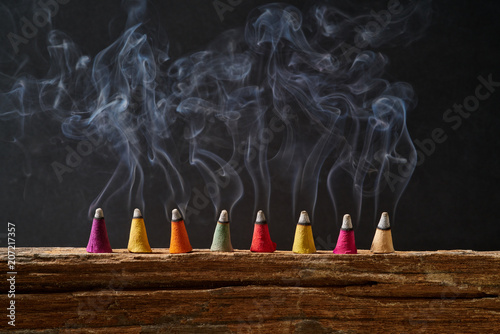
x: 261, y: 241
x: 222, y: 237
x: 98, y: 241
x: 179, y: 240
x: 304, y: 241
x: 382, y: 241
x: 138, y: 240
x: 345, y: 242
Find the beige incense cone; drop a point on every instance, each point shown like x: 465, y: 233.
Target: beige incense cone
x: 382, y: 241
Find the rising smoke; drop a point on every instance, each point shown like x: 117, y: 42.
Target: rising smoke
x: 293, y: 101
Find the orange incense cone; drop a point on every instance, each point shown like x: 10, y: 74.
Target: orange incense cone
x: 382, y: 241
x: 261, y: 241
x: 179, y: 240
x: 138, y: 240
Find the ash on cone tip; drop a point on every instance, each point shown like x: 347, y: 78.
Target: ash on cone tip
x: 223, y: 218
x: 260, y: 217
x: 137, y: 213
x: 346, y: 223
x: 304, y: 218
x: 99, y: 213
x: 176, y: 215
x: 384, y: 223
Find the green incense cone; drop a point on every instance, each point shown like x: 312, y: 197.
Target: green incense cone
x: 222, y: 236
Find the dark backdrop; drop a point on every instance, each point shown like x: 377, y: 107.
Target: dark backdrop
x: 450, y: 201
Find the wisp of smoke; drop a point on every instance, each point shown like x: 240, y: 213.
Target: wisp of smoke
x: 296, y: 100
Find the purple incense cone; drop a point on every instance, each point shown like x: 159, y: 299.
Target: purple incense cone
x: 98, y: 241
x: 346, y: 243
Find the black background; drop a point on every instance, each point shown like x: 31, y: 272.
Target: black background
x: 451, y: 200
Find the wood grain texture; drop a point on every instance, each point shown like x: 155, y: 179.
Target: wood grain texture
x: 66, y: 290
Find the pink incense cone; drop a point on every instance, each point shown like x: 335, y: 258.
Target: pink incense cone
x: 98, y: 241
x: 346, y: 243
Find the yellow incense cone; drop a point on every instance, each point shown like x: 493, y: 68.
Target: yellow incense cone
x: 138, y: 240
x: 304, y: 241
x: 382, y: 241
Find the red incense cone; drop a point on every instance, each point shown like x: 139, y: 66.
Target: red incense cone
x: 98, y: 241
x: 345, y: 242
x: 261, y: 241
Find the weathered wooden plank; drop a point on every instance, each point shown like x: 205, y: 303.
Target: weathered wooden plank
x: 237, y: 308
x: 67, y: 290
